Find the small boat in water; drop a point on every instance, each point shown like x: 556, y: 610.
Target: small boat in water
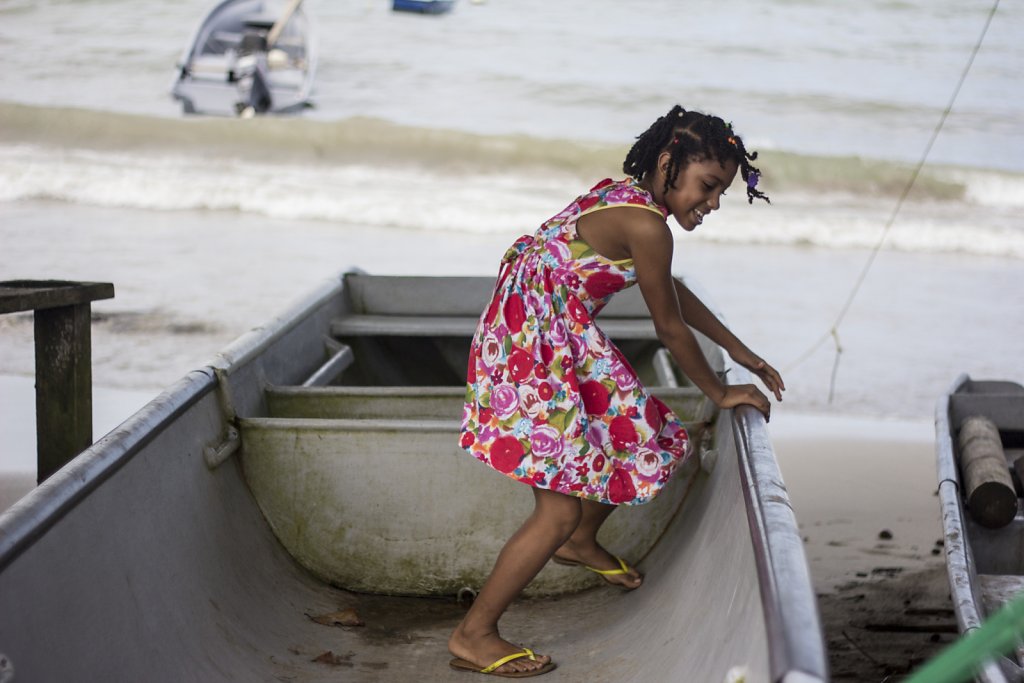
x: 248, y: 57
x: 312, y: 469
x: 979, y: 441
x: 422, y: 6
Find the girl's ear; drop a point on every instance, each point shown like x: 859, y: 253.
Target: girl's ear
x: 663, y: 160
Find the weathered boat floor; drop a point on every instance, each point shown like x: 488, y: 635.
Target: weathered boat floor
x: 405, y: 639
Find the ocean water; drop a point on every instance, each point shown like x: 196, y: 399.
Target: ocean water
x: 435, y: 141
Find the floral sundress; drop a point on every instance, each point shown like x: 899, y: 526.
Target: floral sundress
x: 550, y: 400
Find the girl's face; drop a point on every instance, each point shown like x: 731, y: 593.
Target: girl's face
x: 697, y: 191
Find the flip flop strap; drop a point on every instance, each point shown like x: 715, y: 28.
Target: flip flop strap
x: 623, y: 569
x: 527, y: 652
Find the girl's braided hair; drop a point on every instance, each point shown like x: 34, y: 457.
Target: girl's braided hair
x: 690, y: 135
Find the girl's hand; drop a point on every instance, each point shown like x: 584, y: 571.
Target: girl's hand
x: 745, y: 394
x: 769, y: 375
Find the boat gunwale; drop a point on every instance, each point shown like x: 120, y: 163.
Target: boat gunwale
x: 790, y: 610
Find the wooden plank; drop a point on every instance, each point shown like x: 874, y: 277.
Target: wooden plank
x: 29, y: 295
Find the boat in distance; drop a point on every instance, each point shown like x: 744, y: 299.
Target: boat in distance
x: 979, y: 449
x: 422, y: 6
x: 248, y: 57
x: 313, y: 467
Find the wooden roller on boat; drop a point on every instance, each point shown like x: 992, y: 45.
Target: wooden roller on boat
x: 988, y: 487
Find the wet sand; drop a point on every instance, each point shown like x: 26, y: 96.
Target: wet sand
x: 864, y: 493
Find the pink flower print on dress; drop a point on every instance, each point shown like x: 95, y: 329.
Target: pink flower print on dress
x: 624, y: 378
x: 504, y: 401
x: 490, y: 351
x: 529, y: 401
x: 557, y: 333
x: 546, y: 442
x: 579, y: 346
x: 648, y: 463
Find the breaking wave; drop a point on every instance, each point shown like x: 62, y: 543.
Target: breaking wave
x: 378, y: 174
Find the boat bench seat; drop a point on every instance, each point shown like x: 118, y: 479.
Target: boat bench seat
x: 369, y: 325
x: 210, y: 66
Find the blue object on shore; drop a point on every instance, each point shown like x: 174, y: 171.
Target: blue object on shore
x: 422, y: 6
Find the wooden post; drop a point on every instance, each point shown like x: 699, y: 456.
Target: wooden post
x: 63, y: 386
x: 63, y: 340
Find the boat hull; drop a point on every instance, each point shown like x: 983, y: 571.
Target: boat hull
x: 148, y: 558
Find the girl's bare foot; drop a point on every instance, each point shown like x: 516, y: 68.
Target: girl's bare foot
x: 595, y: 556
x: 483, y: 649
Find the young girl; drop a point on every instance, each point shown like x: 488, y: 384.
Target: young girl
x: 553, y: 403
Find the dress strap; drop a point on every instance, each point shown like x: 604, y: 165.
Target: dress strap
x: 609, y: 194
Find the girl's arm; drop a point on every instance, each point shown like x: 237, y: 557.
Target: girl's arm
x: 650, y: 244
x: 697, y: 315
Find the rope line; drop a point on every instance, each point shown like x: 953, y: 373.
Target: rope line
x: 833, y: 331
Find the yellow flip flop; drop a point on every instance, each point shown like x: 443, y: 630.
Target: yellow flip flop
x: 464, y: 665
x: 605, y: 573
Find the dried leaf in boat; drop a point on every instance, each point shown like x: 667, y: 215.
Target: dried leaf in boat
x: 332, y: 659
x: 346, y: 617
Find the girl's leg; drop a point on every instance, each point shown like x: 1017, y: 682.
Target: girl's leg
x: 476, y: 638
x: 583, y: 547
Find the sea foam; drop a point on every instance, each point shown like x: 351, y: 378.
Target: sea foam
x: 380, y: 175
